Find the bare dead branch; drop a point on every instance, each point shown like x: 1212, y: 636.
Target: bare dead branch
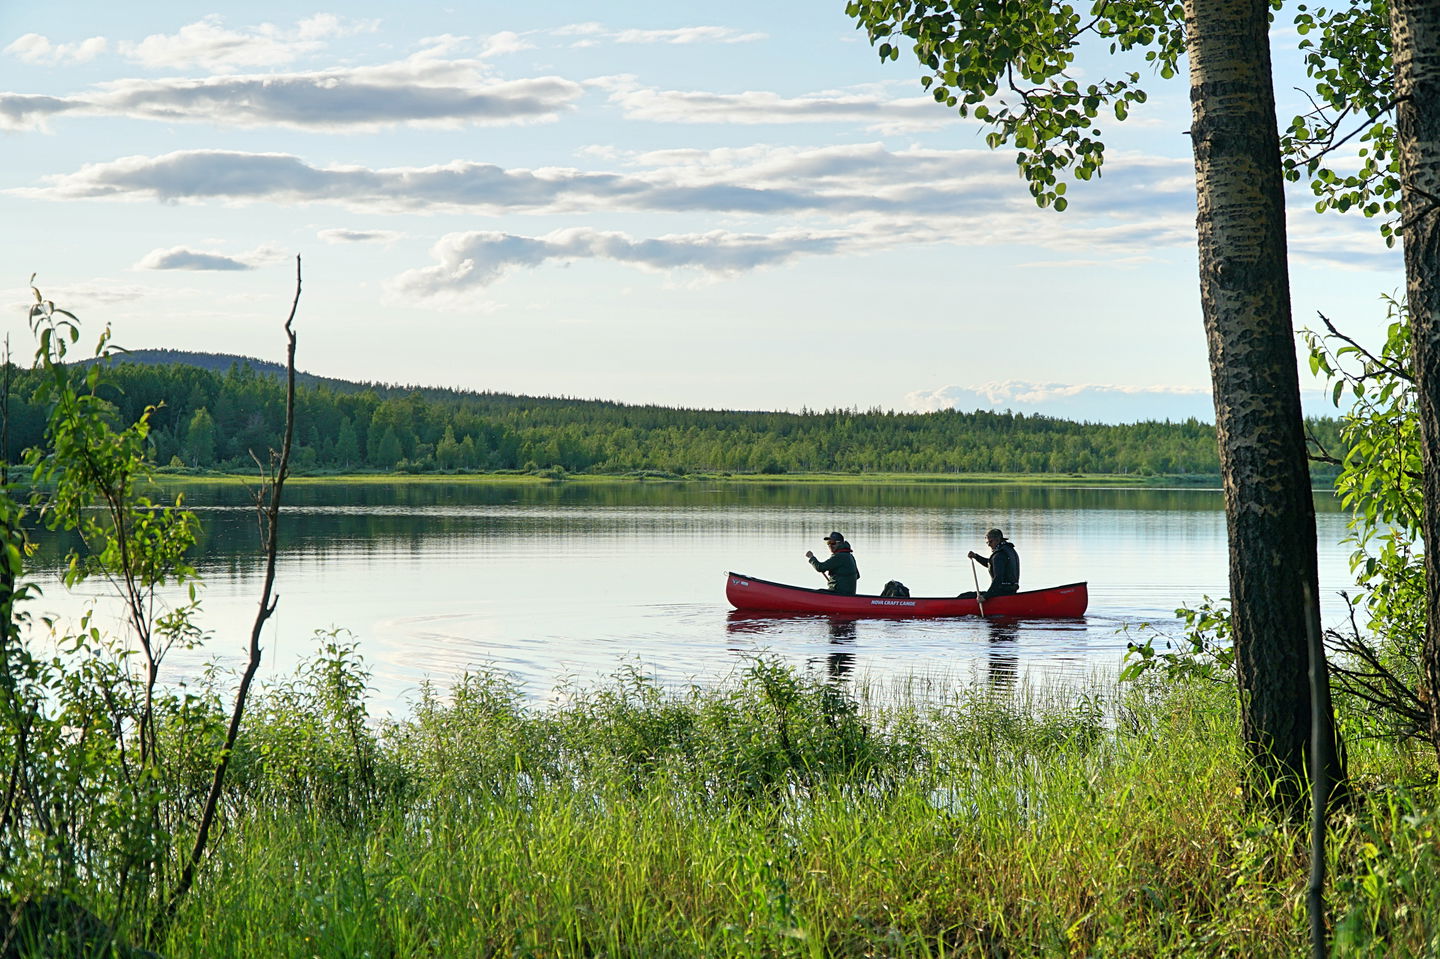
x: 268, y: 602
x: 1360, y: 670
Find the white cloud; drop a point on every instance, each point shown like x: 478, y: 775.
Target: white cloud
x: 593, y: 34
x: 960, y: 197
x: 28, y: 111
x: 34, y: 48
x: 1346, y: 241
x: 494, y: 45
x: 1025, y: 391
x: 864, y: 191
x: 590, y: 29
x: 179, y: 258
x: 763, y: 107
x: 421, y: 91
x: 441, y: 46
x: 338, y: 236
x: 340, y: 100
x: 503, y: 43
x: 96, y: 293
x: 184, y: 258
x: 470, y: 261
x: 1090, y: 402
x: 865, y: 178
x: 687, y: 35
x: 209, y: 44
x: 1093, y: 402
x: 323, y: 25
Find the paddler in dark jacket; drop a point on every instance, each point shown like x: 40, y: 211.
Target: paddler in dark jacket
x: 1003, y: 563
x: 840, y: 568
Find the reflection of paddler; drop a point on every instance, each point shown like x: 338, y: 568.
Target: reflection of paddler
x: 842, y: 630
x: 1004, y: 662
x: 840, y: 569
x: 842, y: 633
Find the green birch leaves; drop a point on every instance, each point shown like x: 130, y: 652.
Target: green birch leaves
x: 1346, y: 144
x: 1010, y: 65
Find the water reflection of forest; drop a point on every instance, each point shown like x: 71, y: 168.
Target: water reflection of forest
x: 718, y: 493
x: 403, y: 515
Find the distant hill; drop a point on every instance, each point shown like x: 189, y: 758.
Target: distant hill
x: 220, y: 363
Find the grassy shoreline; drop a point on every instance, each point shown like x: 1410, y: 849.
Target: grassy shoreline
x: 779, y: 816
x: 776, y: 814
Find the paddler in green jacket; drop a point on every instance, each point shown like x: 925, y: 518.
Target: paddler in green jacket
x: 840, y: 568
x: 1003, y: 563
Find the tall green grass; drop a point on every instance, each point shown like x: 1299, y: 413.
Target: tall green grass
x: 784, y: 816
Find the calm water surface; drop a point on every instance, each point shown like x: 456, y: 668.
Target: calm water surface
x: 565, y: 583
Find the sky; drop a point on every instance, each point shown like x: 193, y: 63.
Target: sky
x: 730, y: 206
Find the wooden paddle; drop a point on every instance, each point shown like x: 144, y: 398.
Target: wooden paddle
x: 976, y: 577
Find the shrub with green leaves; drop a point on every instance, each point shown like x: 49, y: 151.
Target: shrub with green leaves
x: 110, y: 773
x: 1380, y: 482
x: 105, y: 767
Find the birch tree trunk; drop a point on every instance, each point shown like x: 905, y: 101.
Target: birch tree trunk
x: 1245, y: 297
x: 1415, y: 39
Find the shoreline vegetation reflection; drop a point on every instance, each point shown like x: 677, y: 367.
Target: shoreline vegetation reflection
x: 382, y: 514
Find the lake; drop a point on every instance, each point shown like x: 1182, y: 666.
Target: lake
x: 565, y: 583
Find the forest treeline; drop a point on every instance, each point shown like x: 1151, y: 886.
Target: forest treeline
x: 213, y: 419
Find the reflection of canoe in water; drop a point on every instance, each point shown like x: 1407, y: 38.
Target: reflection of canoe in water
x: 1057, y: 602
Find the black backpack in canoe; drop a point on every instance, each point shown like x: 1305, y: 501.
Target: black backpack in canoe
x: 895, y: 588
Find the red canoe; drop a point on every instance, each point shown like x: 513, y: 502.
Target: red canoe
x: 749, y: 593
